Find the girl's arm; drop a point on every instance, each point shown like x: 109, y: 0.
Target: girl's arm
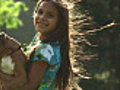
x: 35, y: 75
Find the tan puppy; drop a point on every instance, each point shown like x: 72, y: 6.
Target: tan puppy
x: 12, y: 64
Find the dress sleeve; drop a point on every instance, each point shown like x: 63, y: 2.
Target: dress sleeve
x: 46, y: 52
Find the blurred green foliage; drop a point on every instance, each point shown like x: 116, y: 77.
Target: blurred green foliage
x: 9, y: 13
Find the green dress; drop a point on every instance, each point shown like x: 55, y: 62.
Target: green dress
x: 48, y: 52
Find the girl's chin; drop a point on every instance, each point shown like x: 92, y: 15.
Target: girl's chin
x: 39, y: 30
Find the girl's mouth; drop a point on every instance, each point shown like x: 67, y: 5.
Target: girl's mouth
x: 41, y: 24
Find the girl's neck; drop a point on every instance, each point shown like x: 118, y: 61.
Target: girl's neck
x: 42, y: 38
x: 47, y: 38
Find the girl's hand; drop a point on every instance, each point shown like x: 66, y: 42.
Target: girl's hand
x: 2, y: 87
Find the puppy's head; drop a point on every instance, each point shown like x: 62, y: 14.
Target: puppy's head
x: 2, y: 40
x: 7, y: 43
x: 2, y: 43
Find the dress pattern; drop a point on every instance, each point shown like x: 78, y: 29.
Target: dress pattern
x: 48, y: 52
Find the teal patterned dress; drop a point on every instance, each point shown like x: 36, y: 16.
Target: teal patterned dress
x: 48, y: 52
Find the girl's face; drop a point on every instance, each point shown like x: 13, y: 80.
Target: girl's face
x: 46, y: 18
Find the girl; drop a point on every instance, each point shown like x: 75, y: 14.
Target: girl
x: 50, y: 67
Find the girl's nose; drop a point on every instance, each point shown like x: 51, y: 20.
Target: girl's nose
x: 36, y: 15
x: 42, y: 16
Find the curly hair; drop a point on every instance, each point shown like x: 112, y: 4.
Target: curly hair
x: 61, y: 34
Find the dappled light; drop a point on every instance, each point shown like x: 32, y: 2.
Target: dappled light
x: 94, y: 36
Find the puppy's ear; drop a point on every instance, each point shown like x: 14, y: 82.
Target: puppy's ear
x: 2, y: 38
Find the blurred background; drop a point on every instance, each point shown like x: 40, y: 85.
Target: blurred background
x: 95, y: 37
x: 16, y: 19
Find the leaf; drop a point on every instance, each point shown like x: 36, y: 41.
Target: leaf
x: 9, y: 13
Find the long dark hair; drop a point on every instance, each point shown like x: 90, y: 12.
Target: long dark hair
x: 61, y: 34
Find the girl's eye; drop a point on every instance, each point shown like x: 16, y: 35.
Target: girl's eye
x: 50, y: 15
x: 40, y: 12
x: 35, y: 11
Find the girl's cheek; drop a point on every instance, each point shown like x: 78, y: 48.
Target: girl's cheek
x: 34, y: 20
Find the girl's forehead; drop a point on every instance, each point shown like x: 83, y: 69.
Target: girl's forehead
x: 47, y: 6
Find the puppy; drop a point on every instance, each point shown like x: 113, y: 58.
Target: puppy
x: 12, y: 64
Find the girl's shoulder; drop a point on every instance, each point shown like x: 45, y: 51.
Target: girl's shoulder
x: 49, y: 52
x: 51, y: 46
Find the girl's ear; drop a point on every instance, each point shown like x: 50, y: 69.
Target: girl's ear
x: 2, y: 38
